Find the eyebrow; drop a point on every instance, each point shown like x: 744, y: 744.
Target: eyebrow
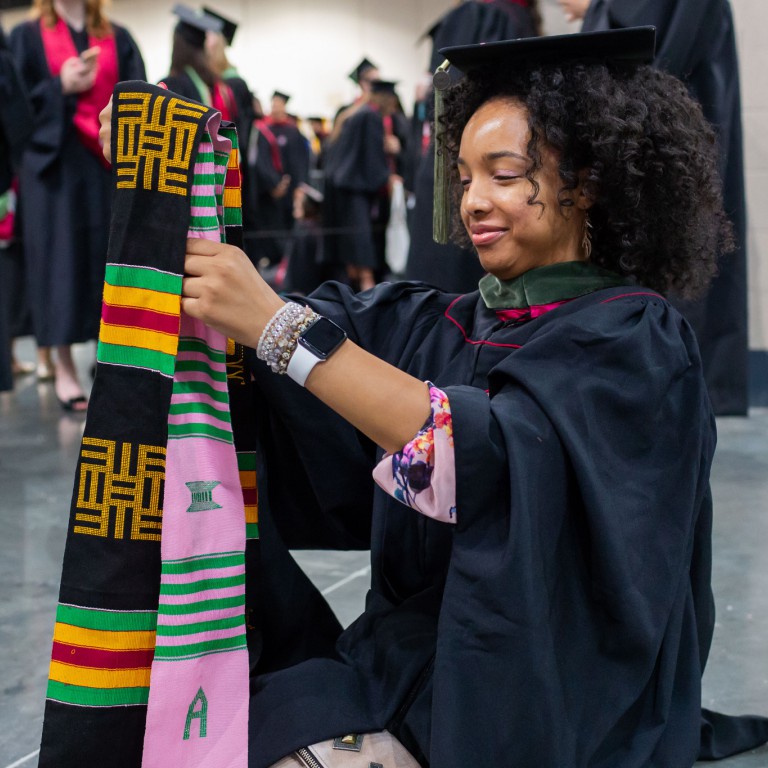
x: 500, y: 155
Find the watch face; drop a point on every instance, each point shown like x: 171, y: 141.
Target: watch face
x: 322, y: 338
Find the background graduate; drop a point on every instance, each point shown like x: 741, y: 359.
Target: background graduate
x: 449, y: 266
x: 70, y: 57
x: 697, y: 43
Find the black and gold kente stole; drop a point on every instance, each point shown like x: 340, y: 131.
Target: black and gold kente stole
x: 107, y: 633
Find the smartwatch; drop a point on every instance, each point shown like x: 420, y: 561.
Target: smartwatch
x: 314, y: 345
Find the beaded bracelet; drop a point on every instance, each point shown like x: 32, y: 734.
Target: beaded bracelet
x: 280, y: 336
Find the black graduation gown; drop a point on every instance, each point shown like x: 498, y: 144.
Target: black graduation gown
x: 295, y: 154
x: 184, y: 85
x: 696, y: 42
x: 15, y: 125
x: 66, y: 195
x: 566, y: 619
x: 447, y: 266
x: 356, y: 200
x: 265, y: 218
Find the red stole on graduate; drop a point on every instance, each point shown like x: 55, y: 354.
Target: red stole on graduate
x: 59, y: 46
x: 274, y: 148
x: 223, y: 100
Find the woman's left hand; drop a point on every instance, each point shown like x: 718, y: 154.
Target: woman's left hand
x: 222, y: 288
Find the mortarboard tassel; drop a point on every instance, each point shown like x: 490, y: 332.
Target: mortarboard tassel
x: 441, y: 214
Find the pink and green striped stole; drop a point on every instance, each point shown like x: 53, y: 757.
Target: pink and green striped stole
x: 198, y: 698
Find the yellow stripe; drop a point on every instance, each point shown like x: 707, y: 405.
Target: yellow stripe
x: 99, y: 678
x: 133, y: 337
x: 142, y: 298
x: 99, y: 638
x: 251, y: 513
x: 247, y: 478
x: 232, y: 198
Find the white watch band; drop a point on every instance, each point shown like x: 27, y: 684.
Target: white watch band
x: 301, y: 363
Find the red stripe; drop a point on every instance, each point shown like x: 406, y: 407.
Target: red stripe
x: 233, y: 178
x: 98, y: 658
x: 626, y: 295
x: 250, y: 497
x: 146, y: 319
x: 475, y: 341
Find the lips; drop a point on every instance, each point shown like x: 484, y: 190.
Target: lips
x: 483, y: 235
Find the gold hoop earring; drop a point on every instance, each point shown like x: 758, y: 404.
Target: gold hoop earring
x: 586, y: 239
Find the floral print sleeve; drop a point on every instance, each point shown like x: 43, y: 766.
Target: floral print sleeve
x: 423, y: 474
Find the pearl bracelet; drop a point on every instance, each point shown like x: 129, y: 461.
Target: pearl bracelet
x: 280, y: 336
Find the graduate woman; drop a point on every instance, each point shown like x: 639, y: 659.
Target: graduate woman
x: 70, y: 57
x: 540, y: 530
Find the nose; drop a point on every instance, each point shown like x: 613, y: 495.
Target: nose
x: 475, y: 200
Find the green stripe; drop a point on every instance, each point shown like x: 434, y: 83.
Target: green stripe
x: 117, y: 621
x: 208, y: 179
x: 96, y: 697
x: 205, y: 156
x: 203, y: 222
x: 203, y: 201
x: 251, y: 530
x: 191, y: 344
x: 233, y: 217
x: 199, y: 388
x: 137, y: 277
x: 201, y: 605
x: 117, y: 354
x: 192, y: 564
x: 200, y: 367
x: 246, y: 460
x: 204, y: 584
x: 201, y: 655
x: 191, y: 430
x: 206, y: 408
x: 201, y: 626
x: 175, y: 651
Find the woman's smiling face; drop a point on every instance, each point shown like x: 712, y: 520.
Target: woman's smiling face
x: 510, y: 234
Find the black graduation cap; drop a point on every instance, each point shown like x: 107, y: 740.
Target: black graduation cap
x: 228, y: 27
x: 280, y: 95
x: 633, y: 45
x: 193, y: 25
x: 383, y: 86
x: 360, y: 70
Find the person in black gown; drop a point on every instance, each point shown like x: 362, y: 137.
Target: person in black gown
x: 295, y: 159
x: 361, y: 161
x: 697, y: 43
x: 15, y: 125
x: 70, y: 58
x: 541, y: 531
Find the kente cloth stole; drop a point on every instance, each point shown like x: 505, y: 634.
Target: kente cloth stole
x: 150, y: 653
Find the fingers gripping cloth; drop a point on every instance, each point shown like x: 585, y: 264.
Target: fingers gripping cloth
x: 150, y: 660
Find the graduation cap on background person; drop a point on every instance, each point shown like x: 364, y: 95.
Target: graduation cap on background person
x: 280, y: 95
x: 193, y: 25
x: 633, y: 46
x: 228, y: 27
x: 383, y: 86
x: 364, y: 66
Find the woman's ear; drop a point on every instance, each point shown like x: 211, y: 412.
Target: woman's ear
x: 584, y: 197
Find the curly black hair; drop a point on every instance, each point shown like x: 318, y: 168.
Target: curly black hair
x: 649, y: 156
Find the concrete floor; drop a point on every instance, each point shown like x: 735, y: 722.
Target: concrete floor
x: 38, y: 452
